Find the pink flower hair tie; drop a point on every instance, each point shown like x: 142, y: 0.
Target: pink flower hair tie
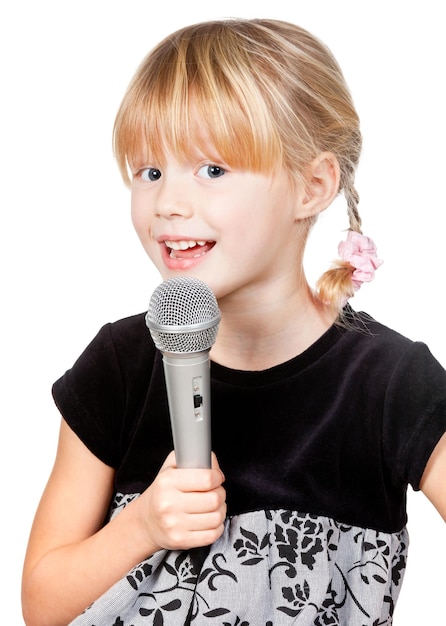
x: 360, y: 252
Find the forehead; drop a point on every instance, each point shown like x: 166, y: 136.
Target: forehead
x: 158, y: 147
x: 194, y: 134
x: 184, y: 99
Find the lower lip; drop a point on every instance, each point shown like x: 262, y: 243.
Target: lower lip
x: 175, y: 264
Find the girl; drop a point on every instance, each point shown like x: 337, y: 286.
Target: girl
x: 234, y: 135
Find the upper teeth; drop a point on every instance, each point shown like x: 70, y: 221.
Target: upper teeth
x: 184, y: 244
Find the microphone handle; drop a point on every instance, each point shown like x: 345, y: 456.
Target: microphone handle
x: 189, y: 393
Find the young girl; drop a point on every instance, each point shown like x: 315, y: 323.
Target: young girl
x: 234, y: 135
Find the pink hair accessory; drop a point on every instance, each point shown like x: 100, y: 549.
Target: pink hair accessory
x: 360, y: 252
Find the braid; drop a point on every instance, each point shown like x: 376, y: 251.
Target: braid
x: 352, y: 198
x: 336, y: 285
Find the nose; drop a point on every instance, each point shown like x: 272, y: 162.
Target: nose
x: 172, y: 201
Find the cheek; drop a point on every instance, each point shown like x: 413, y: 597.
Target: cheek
x: 138, y: 216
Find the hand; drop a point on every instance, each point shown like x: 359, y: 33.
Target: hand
x: 184, y: 508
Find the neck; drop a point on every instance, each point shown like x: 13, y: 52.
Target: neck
x: 257, y: 333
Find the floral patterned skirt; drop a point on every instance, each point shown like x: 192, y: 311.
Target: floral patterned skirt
x: 268, y: 568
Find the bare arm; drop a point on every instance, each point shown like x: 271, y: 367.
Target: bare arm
x: 72, y: 559
x: 433, y: 483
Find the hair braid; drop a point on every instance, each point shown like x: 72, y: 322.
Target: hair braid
x: 352, y: 198
x: 336, y: 285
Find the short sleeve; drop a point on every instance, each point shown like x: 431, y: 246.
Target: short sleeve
x: 90, y: 397
x: 415, y: 413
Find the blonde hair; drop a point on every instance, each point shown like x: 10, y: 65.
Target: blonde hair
x: 264, y: 94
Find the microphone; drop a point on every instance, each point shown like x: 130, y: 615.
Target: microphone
x: 183, y: 319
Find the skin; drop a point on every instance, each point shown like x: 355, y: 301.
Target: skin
x: 252, y: 229
x: 433, y: 483
x: 256, y: 224
x: 181, y: 509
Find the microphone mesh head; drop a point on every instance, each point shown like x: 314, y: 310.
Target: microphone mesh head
x: 183, y: 316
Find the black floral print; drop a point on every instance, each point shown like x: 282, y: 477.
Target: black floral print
x: 269, y: 568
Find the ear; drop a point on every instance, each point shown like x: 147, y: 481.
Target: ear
x: 322, y: 185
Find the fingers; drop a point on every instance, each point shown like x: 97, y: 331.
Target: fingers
x: 186, y: 531
x: 185, y: 508
x: 190, y: 490
x: 215, y: 464
x: 190, y: 479
x: 199, y: 503
x: 177, y: 530
x: 170, y: 462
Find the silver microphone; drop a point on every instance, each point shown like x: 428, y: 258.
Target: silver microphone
x: 183, y: 319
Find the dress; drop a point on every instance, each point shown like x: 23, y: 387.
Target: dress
x: 317, y: 453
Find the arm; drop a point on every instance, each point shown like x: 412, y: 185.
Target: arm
x: 433, y: 482
x: 71, y: 558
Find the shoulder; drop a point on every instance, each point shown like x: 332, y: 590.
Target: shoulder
x: 360, y: 326
x: 127, y: 338
x: 106, y: 385
x: 113, y: 360
x: 367, y: 338
x: 128, y: 329
x: 387, y: 363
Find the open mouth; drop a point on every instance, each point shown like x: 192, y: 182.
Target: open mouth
x: 188, y: 248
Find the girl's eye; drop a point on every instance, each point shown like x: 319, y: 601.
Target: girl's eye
x: 150, y: 174
x: 211, y: 171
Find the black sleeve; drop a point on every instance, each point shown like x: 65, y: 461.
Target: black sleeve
x: 415, y: 413
x: 103, y: 395
x: 90, y: 397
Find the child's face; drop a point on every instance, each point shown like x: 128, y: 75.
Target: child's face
x: 235, y: 230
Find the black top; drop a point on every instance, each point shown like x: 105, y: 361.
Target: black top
x: 340, y: 430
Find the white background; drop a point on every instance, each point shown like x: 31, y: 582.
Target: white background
x: 71, y: 262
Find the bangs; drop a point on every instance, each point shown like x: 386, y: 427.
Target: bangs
x: 188, y: 96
